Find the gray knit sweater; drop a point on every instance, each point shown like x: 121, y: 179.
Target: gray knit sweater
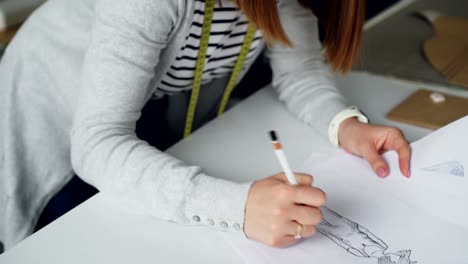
x: 73, y: 83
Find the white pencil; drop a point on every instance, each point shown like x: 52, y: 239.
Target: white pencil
x: 282, y: 158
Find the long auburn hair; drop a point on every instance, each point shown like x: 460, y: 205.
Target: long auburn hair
x: 343, y: 22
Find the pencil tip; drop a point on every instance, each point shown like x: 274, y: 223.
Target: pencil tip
x: 273, y: 135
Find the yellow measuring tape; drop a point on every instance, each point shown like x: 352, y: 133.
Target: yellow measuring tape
x: 200, y: 65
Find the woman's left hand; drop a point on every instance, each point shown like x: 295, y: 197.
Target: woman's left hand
x: 369, y: 141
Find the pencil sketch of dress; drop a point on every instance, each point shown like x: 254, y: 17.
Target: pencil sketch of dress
x: 452, y: 167
x: 358, y: 240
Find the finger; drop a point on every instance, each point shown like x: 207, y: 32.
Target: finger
x: 301, y: 178
x: 308, y: 195
x: 306, y: 215
x: 376, y: 161
x: 306, y: 231
x: 399, y: 143
x: 309, y: 231
x: 283, y: 242
x: 404, y: 154
x: 304, y: 179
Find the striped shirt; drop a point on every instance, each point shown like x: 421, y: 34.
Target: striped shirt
x: 229, y: 26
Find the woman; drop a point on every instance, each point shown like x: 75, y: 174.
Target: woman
x: 78, y: 74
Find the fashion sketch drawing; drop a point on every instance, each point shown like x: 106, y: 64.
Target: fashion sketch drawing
x: 358, y: 240
x: 452, y: 168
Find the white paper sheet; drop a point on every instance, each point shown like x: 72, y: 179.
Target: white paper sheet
x: 423, y: 219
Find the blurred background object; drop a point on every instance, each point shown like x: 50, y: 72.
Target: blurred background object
x: 13, y: 12
x: 394, y: 47
x: 447, y: 49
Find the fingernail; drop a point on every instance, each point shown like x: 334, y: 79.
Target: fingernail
x: 408, y: 173
x: 382, y: 172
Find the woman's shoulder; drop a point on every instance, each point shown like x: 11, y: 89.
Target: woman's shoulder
x: 142, y: 8
x: 150, y: 15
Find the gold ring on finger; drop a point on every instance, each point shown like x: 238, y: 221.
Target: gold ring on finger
x: 299, y: 230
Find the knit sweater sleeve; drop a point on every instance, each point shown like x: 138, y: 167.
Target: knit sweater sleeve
x: 300, y: 76
x: 127, y: 39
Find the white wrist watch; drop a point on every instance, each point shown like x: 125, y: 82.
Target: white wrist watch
x: 334, y: 126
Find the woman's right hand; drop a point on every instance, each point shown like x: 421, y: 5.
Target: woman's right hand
x: 275, y: 208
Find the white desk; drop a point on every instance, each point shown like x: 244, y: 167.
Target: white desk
x: 233, y: 147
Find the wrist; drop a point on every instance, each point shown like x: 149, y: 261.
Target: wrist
x: 346, y: 128
x: 350, y: 115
